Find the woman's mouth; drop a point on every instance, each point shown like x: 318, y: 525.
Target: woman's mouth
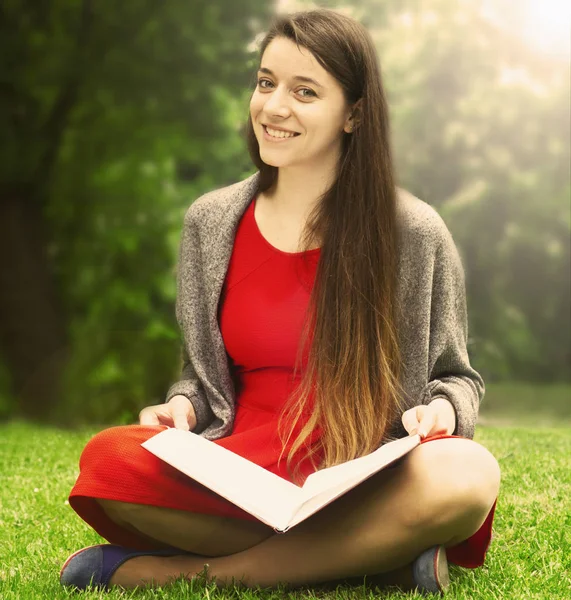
x: 277, y: 135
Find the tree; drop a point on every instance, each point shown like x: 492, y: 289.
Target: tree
x: 114, y: 117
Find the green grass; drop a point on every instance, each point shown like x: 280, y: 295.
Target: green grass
x: 529, y: 558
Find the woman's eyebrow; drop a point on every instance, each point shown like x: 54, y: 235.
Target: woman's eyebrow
x: 297, y: 77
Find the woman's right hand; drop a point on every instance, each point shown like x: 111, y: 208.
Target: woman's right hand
x: 178, y: 412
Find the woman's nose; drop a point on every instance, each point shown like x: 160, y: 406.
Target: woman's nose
x: 277, y: 102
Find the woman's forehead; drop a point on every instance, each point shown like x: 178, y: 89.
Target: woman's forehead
x: 285, y: 59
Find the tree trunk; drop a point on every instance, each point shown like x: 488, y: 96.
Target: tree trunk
x: 33, y: 341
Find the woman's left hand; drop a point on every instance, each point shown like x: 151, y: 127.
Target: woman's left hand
x: 436, y: 418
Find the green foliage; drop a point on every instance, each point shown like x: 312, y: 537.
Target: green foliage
x: 118, y: 116
x: 152, y: 98
x: 481, y: 129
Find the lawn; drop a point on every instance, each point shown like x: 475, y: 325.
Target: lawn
x: 530, y: 555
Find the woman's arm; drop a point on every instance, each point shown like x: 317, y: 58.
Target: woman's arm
x: 189, y: 384
x: 450, y: 374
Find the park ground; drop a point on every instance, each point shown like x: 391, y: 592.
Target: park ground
x: 528, y: 429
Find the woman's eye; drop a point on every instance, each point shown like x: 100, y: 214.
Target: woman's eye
x: 260, y: 81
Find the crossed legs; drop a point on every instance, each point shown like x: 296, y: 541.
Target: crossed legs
x: 440, y: 494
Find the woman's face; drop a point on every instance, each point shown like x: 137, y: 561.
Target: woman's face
x: 317, y: 110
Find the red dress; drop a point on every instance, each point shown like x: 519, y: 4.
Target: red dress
x: 263, y: 299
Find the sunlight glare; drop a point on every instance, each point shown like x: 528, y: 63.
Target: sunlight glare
x: 549, y: 23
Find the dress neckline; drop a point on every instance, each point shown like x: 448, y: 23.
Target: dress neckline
x: 267, y: 243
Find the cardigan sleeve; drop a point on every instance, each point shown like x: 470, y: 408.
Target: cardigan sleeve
x: 450, y: 374
x: 189, y: 385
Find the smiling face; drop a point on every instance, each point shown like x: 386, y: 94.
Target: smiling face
x: 316, y: 110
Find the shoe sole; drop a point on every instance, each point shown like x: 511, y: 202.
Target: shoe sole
x: 441, y: 568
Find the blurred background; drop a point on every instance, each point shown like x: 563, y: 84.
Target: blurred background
x: 115, y: 117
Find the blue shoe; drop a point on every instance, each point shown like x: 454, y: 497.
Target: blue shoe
x: 95, y: 565
x: 430, y: 570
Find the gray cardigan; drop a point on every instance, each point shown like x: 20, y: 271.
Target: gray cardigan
x: 431, y: 288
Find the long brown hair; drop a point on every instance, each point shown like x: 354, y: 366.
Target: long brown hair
x: 354, y: 364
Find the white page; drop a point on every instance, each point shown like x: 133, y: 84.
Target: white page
x: 338, y: 475
x: 263, y: 494
x: 365, y: 469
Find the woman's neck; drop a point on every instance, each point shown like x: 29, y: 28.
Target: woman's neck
x: 296, y: 194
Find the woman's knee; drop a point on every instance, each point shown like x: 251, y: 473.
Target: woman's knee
x: 457, y: 476
x: 119, y: 438
x: 107, y: 450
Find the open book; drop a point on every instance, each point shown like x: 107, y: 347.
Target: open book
x: 272, y: 499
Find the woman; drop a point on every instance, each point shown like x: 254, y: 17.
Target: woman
x: 319, y: 245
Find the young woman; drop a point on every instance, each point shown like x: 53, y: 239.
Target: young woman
x: 323, y: 313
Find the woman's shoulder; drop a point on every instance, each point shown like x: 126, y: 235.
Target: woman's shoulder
x: 419, y: 220
x: 216, y: 202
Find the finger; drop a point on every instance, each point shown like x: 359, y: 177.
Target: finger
x: 427, y: 422
x: 191, y: 417
x: 409, y: 422
x: 411, y: 419
x: 439, y: 427
x: 148, y: 417
x: 180, y: 413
